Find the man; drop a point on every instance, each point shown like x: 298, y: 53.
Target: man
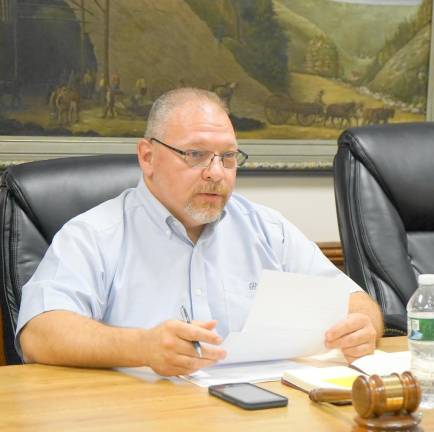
x: 109, y: 290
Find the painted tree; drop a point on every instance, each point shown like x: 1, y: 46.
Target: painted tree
x: 424, y: 13
x: 264, y: 47
x: 250, y: 30
x: 406, y: 31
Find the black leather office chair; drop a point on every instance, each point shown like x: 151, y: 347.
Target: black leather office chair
x: 36, y: 199
x: 384, y: 188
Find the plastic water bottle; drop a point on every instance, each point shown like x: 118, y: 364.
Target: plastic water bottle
x: 420, y: 312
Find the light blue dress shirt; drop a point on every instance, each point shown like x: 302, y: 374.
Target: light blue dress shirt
x: 128, y: 262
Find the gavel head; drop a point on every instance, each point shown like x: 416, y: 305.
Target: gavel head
x: 397, y: 394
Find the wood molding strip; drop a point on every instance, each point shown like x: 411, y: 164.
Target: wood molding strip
x: 2, y: 352
x: 333, y: 251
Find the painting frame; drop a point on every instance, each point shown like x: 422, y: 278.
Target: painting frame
x: 282, y: 156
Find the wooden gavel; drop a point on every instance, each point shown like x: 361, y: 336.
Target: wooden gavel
x: 379, y: 401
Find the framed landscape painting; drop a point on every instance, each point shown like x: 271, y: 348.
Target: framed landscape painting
x: 79, y: 76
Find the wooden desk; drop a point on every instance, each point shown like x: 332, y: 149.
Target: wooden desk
x: 43, y: 398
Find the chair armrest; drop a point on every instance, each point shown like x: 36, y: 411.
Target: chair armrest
x: 395, y: 325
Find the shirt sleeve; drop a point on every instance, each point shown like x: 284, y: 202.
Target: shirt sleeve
x: 70, y: 277
x: 301, y: 255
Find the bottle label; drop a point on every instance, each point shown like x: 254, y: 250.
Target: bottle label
x: 420, y: 329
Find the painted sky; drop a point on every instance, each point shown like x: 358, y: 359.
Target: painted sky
x: 382, y: 2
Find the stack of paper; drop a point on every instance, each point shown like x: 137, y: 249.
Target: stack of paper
x: 308, y: 378
x: 381, y: 363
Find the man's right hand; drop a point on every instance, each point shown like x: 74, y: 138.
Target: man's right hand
x: 170, y: 350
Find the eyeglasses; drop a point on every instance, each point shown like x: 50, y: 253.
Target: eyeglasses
x: 204, y: 158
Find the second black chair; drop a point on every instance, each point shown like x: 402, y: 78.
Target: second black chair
x: 384, y: 187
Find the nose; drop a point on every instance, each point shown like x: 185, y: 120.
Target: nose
x: 215, y: 170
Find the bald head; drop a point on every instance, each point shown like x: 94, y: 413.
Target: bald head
x: 163, y: 108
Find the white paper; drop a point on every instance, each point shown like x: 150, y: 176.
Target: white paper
x: 289, y: 317
x: 147, y: 374
x: 241, y: 372
x: 336, y: 356
x: 382, y: 363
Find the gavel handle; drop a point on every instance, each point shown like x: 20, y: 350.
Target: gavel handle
x: 330, y: 395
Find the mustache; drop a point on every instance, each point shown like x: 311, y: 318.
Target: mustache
x: 212, y: 188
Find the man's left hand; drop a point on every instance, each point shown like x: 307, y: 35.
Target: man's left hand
x: 355, y: 336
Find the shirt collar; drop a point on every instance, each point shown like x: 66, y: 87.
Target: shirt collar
x: 160, y: 215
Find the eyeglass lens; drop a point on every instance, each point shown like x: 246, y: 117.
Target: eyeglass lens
x: 204, y: 159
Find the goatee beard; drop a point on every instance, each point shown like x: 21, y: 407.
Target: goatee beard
x: 203, y: 216
x: 208, y: 212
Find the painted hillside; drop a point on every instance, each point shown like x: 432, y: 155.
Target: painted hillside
x: 190, y: 54
x: 413, y: 60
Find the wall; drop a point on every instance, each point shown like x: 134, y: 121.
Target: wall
x: 306, y: 200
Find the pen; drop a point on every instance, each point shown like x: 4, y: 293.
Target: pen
x: 186, y: 319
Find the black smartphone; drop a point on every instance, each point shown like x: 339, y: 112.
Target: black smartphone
x: 248, y: 396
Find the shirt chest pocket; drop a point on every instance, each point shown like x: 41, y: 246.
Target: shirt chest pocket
x: 239, y: 295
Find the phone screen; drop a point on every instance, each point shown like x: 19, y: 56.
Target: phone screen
x: 248, y: 395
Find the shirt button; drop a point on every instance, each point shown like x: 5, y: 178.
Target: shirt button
x: 198, y: 292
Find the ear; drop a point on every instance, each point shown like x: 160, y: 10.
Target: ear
x: 145, y: 156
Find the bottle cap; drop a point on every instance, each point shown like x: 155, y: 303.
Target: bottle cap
x: 426, y: 279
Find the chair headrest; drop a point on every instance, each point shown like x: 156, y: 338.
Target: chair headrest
x: 401, y: 159
x: 53, y: 191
